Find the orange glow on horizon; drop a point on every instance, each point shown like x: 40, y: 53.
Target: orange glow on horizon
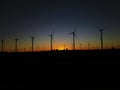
x: 61, y: 48
x: 9, y: 47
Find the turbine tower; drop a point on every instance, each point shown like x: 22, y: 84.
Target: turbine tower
x: 64, y: 47
x: 51, y: 40
x: 74, y: 35
x: 32, y: 37
x: 2, y: 46
x: 101, y: 37
x: 16, y: 41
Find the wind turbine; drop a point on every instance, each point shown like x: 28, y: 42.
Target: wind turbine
x: 51, y: 40
x: 64, y: 47
x: 2, y: 46
x: 16, y: 41
x: 32, y: 37
x: 101, y: 37
x: 74, y: 35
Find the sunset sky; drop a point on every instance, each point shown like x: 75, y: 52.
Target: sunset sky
x: 24, y: 18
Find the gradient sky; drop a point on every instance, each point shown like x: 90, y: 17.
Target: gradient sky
x: 21, y: 19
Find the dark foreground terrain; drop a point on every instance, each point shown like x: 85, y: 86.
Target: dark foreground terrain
x: 59, y: 69
x: 62, y: 57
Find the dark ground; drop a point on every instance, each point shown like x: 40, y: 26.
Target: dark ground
x: 61, y: 69
x: 62, y: 57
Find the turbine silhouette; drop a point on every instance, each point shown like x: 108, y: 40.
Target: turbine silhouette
x: 64, y: 47
x: 2, y: 46
x: 101, y: 37
x: 51, y: 40
x: 32, y: 37
x: 74, y: 36
x: 16, y: 42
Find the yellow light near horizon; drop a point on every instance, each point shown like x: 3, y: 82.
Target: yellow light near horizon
x: 61, y: 48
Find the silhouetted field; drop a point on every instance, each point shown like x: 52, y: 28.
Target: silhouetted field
x: 31, y: 69
x: 62, y: 57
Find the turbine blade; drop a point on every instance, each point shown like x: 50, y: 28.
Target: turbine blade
x: 75, y: 28
x: 70, y: 33
x: 53, y: 31
x: 76, y: 36
x: 53, y: 38
x: 100, y: 26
